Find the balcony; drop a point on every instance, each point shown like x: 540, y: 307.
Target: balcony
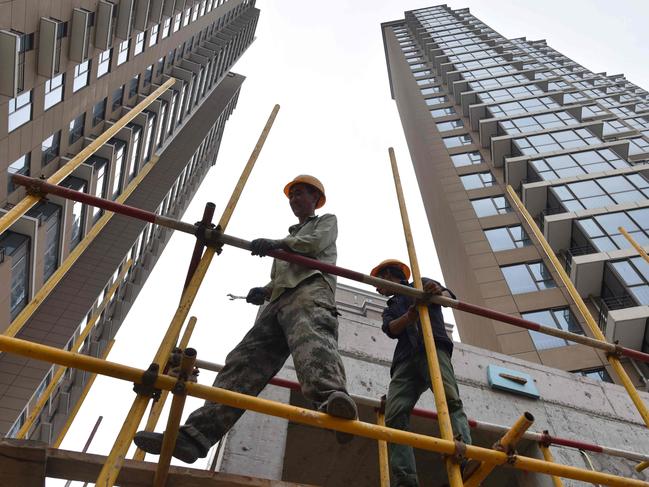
x: 623, y: 321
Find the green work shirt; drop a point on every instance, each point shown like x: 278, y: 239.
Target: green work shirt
x: 315, y: 238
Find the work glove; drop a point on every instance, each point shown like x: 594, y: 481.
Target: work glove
x: 257, y: 295
x: 261, y: 246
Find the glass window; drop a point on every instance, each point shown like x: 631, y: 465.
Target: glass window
x: 19, y: 166
x: 50, y: 148
x: 442, y: 112
x: 556, y: 141
x: 507, y: 238
x: 99, y: 112
x: 430, y: 90
x: 602, y: 192
x: 524, y: 106
x: 99, y: 165
x: 477, y: 180
x: 634, y: 274
x: 186, y: 15
x: 166, y: 27
x: 139, y: 44
x: 134, y: 151
x: 561, y: 319
x: 78, y: 210
x: 17, y: 247
x: 116, y: 98
x: 577, y: 163
x: 122, y: 52
x: 103, y: 63
x: 177, y: 22
x: 53, y: 91
x: 496, y: 205
x: 148, y: 75
x: 20, y: 110
x: 597, y: 374
x: 457, y: 141
x: 81, y: 76
x: 437, y: 100
x: 132, y: 86
x: 450, y: 125
x: 509, y: 93
x: 527, y: 277
x: 160, y: 67
x: 536, y: 123
x: 119, y: 166
x: 52, y: 238
x: 76, y: 128
x: 638, y: 145
x: 466, y: 158
x: 153, y: 35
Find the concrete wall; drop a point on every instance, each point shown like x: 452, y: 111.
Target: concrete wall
x: 570, y: 406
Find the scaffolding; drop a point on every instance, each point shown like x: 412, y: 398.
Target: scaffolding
x: 210, y: 239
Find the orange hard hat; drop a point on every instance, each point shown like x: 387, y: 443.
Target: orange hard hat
x: 391, y: 263
x: 311, y: 181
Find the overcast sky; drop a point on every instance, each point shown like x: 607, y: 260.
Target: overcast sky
x: 324, y: 63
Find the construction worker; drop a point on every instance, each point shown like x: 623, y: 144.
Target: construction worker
x: 300, y: 319
x: 409, y: 371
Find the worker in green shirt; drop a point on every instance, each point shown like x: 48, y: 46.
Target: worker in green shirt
x: 300, y: 319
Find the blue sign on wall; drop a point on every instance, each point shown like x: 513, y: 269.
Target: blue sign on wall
x: 512, y: 381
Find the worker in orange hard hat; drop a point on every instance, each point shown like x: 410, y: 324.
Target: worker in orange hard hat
x: 300, y: 319
x: 409, y: 371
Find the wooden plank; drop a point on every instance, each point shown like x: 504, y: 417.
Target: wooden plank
x: 85, y: 467
x: 22, y: 462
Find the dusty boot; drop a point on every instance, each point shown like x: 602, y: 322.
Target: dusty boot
x: 186, y: 449
x: 340, y: 405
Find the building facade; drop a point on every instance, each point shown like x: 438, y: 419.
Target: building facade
x: 568, y: 406
x: 481, y: 112
x: 69, y: 70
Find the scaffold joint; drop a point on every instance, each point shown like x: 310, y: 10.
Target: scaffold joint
x: 209, y: 235
x: 459, y: 455
x: 146, y: 388
x: 34, y: 189
x: 617, y: 353
x: 381, y: 408
x: 546, y: 439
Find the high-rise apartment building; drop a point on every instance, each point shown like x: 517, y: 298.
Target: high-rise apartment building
x: 69, y: 70
x: 481, y: 112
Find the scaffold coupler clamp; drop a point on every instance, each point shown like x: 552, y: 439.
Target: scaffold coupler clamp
x: 459, y: 455
x: 184, y: 371
x: 617, y: 353
x: 34, y: 189
x: 208, y: 234
x: 146, y: 386
x: 546, y: 439
x: 510, y: 451
x: 381, y: 408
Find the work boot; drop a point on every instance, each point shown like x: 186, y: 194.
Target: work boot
x: 186, y: 449
x: 340, y: 405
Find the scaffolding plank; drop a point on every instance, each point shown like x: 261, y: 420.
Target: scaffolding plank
x: 22, y: 462
x: 85, y: 467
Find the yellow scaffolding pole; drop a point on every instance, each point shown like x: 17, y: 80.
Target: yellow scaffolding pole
x: 547, y: 455
x: 56, y: 377
x: 444, y: 418
x: 307, y: 416
x: 156, y: 407
x: 384, y: 464
x: 588, y: 318
x: 28, y: 202
x: 111, y: 468
x: 635, y: 244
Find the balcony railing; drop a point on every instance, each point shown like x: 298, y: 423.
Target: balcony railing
x: 575, y: 251
x: 611, y: 303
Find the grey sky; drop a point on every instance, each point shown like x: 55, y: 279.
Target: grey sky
x: 324, y: 63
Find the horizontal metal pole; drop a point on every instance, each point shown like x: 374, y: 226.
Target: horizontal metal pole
x: 213, y: 235
x: 309, y: 417
x: 473, y: 423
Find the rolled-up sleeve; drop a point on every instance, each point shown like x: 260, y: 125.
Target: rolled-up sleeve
x: 323, y: 235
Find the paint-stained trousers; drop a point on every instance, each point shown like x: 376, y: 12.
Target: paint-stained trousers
x: 302, y: 322
x: 409, y: 381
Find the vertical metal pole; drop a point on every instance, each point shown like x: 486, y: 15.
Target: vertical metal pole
x: 87, y: 445
x: 208, y: 214
x: 113, y: 464
x: 156, y: 407
x: 384, y: 464
x: 444, y: 418
x: 547, y: 455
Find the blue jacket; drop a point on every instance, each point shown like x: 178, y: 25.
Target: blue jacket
x: 411, y: 340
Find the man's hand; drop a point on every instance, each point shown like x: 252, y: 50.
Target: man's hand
x: 261, y: 246
x: 412, y: 314
x: 257, y: 295
x: 433, y: 288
